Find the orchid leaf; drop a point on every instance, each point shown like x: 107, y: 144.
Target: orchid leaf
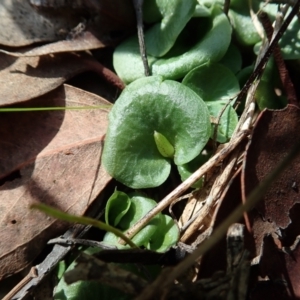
x: 217, y: 86
x: 147, y: 105
x: 116, y: 207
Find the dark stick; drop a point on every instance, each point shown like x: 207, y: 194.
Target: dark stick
x: 138, y: 5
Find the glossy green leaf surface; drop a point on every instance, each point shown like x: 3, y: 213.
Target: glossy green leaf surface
x: 216, y: 85
x: 127, y: 60
x: 151, y: 104
x: 116, y: 207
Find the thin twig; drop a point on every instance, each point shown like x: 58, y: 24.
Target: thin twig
x: 266, y: 56
x: 138, y: 6
x: 162, y: 283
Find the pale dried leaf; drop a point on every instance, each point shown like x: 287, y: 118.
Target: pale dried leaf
x: 53, y: 157
x: 29, y: 77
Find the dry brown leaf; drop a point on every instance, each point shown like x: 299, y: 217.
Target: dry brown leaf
x: 29, y: 77
x: 84, y: 41
x: 274, y: 135
x: 52, y: 157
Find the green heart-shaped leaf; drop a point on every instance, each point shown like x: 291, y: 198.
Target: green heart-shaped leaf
x: 147, y: 105
x: 216, y: 85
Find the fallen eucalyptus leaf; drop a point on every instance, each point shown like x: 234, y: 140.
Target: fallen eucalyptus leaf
x: 58, y: 165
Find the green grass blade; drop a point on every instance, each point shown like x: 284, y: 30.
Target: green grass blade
x: 81, y: 220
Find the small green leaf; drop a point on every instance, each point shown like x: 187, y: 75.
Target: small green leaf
x: 161, y: 37
x: 116, y: 207
x: 166, y: 237
x: 150, y: 104
x: 186, y: 170
x: 216, y: 85
x: 159, y: 234
x: 163, y: 145
x: 139, y: 207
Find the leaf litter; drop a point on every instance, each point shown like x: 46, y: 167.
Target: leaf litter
x: 46, y: 170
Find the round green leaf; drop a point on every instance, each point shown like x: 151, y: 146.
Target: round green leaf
x: 166, y: 237
x: 212, y: 82
x: 216, y: 85
x: 212, y: 47
x: 161, y: 37
x: 140, y: 205
x: 127, y: 60
x: 116, y: 207
x: 147, y: 105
